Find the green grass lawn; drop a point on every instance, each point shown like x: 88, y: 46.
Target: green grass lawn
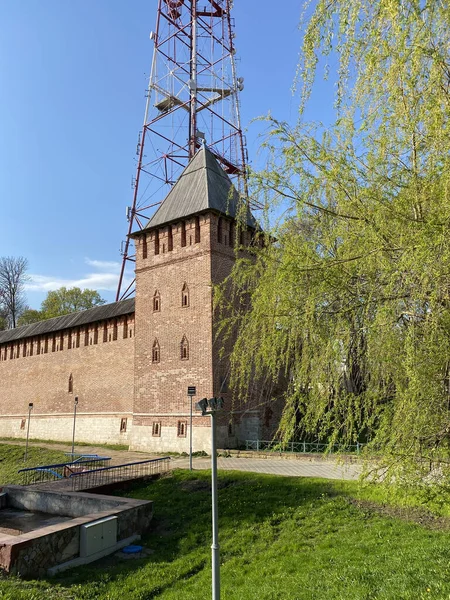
x: 281, y: 538
x: 12, y: 459
x: 67, y: 443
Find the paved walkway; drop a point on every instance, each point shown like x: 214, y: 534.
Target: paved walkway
x: 301, y: 467
x: 328, y: 469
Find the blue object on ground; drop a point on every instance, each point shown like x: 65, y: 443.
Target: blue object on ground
x: 132, y: 549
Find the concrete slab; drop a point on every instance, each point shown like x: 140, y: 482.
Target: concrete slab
x: 16, y: 522
x: 55, y: 537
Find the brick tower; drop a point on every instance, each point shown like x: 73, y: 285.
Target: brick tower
x: 186, y: 247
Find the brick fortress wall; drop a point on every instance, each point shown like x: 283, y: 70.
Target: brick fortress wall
x: 132, y: 382
x: 94, y: 362
x: 176, y: 265
x: 255, y: 416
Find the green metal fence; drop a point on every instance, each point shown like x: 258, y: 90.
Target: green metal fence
x: 300, y: 447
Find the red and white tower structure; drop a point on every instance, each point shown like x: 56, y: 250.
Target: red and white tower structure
x: 192, y: 99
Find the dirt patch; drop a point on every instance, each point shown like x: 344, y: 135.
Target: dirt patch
x: 200, y: 485
x: 413, y: 515
x: 196, y: 485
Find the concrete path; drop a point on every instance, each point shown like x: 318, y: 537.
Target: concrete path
x: 328, y: 469
x: 302, y: 466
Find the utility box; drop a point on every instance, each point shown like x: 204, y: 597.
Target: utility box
x: 97, y: 536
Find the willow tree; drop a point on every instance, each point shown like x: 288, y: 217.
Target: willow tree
x: 349, y: 298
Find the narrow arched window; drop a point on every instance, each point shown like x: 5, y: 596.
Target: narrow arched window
x: 183, y: 234
x: 156, y: 301
x: 184, y: 349
x: 144, y: 247
x: 185, y: 296
x: 156, y: 234
x: 197, y: 230
x: 155, y: 352
x: 70, y: 390
x: 170, y: 239
x: 220, y: 230
x: 232, y: 233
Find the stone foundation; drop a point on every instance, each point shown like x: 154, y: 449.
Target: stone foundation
x: 143, y: 440
x: 90, y: 428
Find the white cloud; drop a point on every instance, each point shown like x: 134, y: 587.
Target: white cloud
x: 103, y: 265
x: 103, y: 276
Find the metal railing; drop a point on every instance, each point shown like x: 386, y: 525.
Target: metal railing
x: 107, y: 475
x: 49, y: 473
x: 80, y: 456
x: 300, y: 447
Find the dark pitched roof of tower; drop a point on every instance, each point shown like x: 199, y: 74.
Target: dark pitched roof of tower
x: 84, y: 317
x: 202, y: 186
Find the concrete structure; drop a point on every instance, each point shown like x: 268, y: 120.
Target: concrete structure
x: 130, y: 362
x: 45, y: 532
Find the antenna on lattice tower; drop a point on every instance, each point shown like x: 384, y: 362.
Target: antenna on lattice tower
x: 192, y: 98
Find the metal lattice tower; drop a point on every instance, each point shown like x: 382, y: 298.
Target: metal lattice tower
x: 192, y: 99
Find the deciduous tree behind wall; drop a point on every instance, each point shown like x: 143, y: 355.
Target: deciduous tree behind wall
x: 352, y: 301
x: 67, y: 300
x: 62, y: 301
x: 29, y: 316
x: 13, y: 276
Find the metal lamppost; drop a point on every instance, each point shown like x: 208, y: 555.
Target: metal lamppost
x: 75, y: 404
x: 30, y: 408
x: 214, y: 405
x: 191, y: 392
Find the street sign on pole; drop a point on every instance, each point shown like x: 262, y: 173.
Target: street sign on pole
x: 215, y: 547
x: 191, y: 391
x: 214, y: 405
x: 30, y: 408
x: 75, y: 404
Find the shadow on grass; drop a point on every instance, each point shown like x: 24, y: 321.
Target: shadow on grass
x: 182, y: 519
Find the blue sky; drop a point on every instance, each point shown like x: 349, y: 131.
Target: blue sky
x: 72, y: 82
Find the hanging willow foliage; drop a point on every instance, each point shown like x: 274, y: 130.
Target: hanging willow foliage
x: 349, y: 298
